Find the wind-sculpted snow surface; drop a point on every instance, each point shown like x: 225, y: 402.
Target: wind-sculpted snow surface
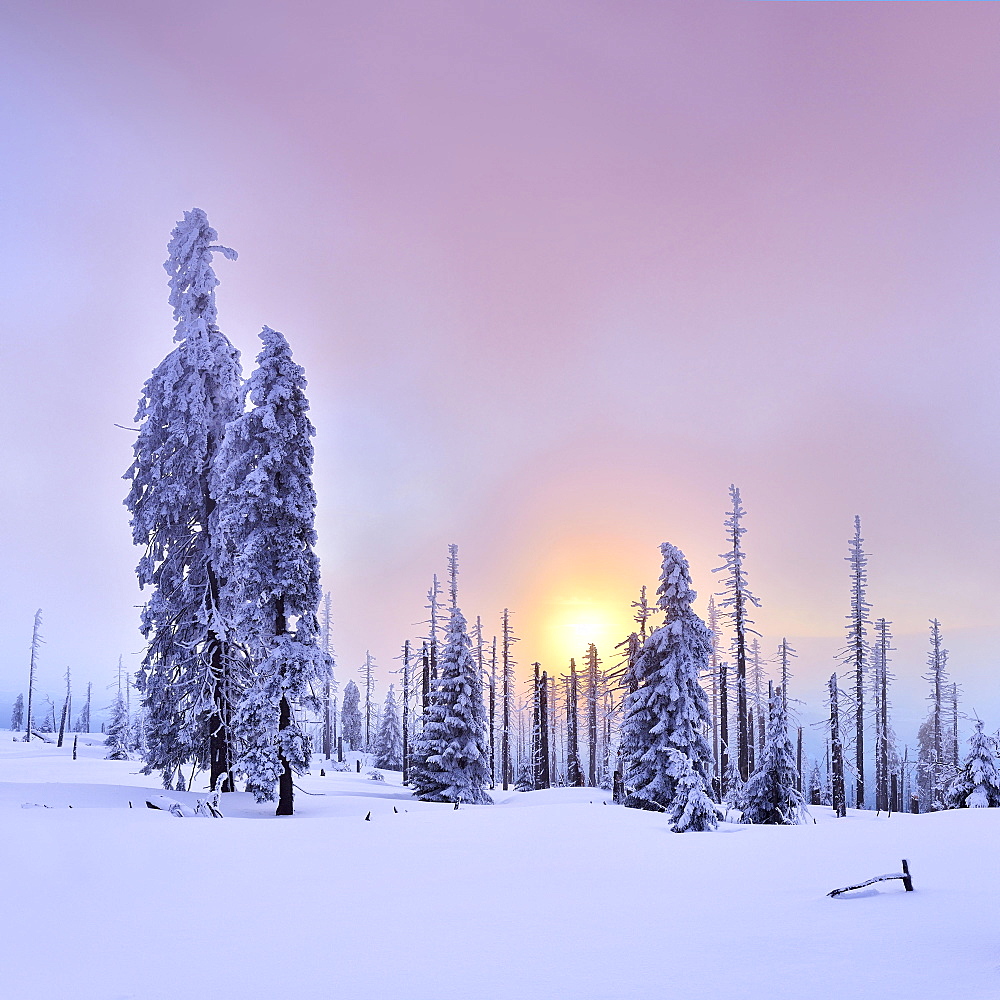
x: 573, y: 899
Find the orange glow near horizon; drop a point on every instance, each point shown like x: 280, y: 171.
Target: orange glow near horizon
x: 583, y: 584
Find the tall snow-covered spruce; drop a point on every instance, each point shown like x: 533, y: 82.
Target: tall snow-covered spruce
x: 188, y: 675
x: 452, y: 746
x: 669, y: 709
x: 266, y: 511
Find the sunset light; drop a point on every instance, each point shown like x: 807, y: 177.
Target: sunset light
x: 358, y: 357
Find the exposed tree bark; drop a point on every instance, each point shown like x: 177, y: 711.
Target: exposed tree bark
x: 406, y: 712
x: 723, y: 728
x: 836, y: 754
x: 574, y: 772
x: 493, y: 714
x: 592, y: 684
x: 545, y: 776
x: 508, y: 667
x: 798, y: 758
x: 285, y: 791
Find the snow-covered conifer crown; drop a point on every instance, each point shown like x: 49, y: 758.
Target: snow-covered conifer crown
x: 674, y: 593
x: 192, y: 279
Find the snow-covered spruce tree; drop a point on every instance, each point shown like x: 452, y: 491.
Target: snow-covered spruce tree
x: 669, y: 710
x: 350, y: 717
x: 388, y: 748
x: 266, y: 510
x: 977, y: 784
x: 736, y: 603
x: 17, y: 714
x: 771, y: 795
x: 691, y: 810
x: 117, y: 740
x: 187, y: 677
x: 453, y: 742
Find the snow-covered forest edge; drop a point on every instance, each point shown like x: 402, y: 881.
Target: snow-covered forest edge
x: 486, y: 827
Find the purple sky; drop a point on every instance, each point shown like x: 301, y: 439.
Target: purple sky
x: 558, y: 273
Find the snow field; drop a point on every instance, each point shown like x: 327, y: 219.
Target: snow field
x: 548, y: 894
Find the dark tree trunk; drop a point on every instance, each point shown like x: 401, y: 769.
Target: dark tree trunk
x: 62, y: 726
x: 505, y: 734
x: 545, y: 776
x: 425, y: 680
x: 327, y: 722
x: 574, y: 775
x: 859, y: 730
x: 536, y: 730
x: 743, y: 736
x: 836, y: 754
x: 406, y: 712
x: 592, y: 716
x: 219, y: 750
x: 285, y: 804
x: 750, y: 741
x: 798, y: 760
x: 493, y: 714
x: 723, y: 726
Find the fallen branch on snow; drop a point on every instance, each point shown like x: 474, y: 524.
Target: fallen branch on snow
x: 904, y: 876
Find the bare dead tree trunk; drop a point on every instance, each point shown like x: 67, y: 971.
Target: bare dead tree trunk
x: 545, y: 777
x: 493, y: 714
x: 406, y: 712
x: 36, y: 641
x: 508, y: 667
x: 836, y: 754
x: 798, y: 760
x: 723, y: 727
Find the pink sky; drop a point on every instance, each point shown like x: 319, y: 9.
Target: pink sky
x: 558, y: 272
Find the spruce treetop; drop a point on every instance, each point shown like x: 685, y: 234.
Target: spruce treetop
x: 192, y: 278
x: 674, y: 594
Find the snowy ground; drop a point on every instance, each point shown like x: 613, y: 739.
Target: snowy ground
x: 569, y: 898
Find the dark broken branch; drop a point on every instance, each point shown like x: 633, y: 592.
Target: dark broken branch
x: 904, y: 876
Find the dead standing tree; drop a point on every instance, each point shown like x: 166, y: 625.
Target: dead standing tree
x: 836, y: 753
x: 736, y: 603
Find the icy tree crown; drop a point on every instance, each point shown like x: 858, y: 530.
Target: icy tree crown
x: 192, y: 279
x: 674, y: 593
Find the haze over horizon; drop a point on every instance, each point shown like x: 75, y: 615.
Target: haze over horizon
x: 558, y: 274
